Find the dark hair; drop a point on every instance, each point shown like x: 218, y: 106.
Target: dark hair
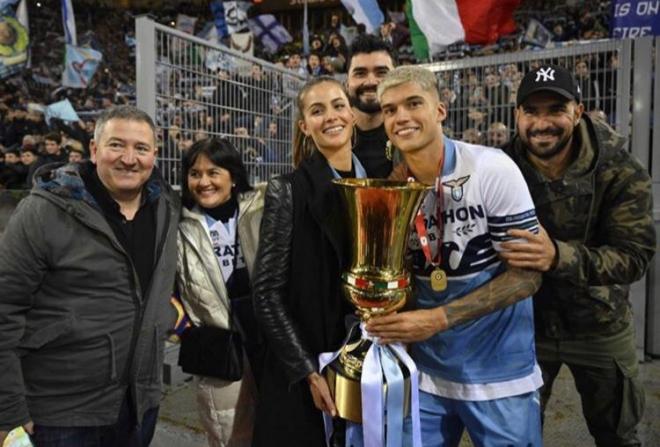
x: 54, y: 136
x: 29, y: 149
x: 368, y: 43
x: 125, y: 112
x: 221, y: 153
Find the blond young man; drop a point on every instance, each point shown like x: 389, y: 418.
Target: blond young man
x: 472, y: 336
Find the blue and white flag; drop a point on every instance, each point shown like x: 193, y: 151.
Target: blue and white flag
x: 270, y: 32
x: 236, y: 16
x: 69, y: 23
x: 536, y: 34
x: 62, y: 110
x: 218, y: 11
x: 14, y: 49
x: 80, y: 66
x: 365, y: 11
x: 636, y: 18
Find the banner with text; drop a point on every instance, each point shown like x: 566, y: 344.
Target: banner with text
x: 635, y: 18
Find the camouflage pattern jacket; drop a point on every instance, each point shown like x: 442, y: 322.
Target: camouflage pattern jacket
x: 599, y: 216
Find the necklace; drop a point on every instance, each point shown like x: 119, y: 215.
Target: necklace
x: 438, y: 276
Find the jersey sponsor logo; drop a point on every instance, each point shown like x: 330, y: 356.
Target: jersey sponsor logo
x: 452, y: 216
x: 456, y: 186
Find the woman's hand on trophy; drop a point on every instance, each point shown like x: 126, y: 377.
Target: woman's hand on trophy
x: 408, y: 327
x: 321, y: 394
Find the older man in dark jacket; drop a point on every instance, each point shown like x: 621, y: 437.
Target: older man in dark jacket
x: 594, y: 201
x: 87, y: 267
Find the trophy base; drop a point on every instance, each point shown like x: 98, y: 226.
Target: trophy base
x: 343, y: 376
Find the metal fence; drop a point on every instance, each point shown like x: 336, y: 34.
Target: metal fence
x: 480, y: 93
x: 619, y: 83
x: 194, y: 89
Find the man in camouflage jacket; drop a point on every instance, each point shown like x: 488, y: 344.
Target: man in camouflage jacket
x: 594, y: 202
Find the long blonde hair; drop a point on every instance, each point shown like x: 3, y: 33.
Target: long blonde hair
x: 304, y: 147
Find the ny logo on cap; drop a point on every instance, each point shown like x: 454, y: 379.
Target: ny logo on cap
x: 548, y: 74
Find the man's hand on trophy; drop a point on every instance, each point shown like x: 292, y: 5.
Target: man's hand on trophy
x: 321, y: 394
x: 408, y: 327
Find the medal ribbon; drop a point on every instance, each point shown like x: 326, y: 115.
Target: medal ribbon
x: 421, y: 227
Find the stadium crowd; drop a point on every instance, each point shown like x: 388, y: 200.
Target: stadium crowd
x: 249, y: 105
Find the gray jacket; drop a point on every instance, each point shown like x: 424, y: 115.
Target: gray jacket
x: 75, y: 330
x: 200, y: 281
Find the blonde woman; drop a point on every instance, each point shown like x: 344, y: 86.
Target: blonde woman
x: 303, y: 250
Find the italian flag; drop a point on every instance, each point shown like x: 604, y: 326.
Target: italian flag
x: 444, y: 22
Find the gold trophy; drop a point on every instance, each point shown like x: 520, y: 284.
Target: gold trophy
x: 380, y: 214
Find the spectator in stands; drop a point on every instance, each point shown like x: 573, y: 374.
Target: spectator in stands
x: 219, y: 231
x: 456, y: 115
x: 316, y: 44
x: 497, y: 95
x: 199, y: 135
x: 52, y: 149
x: 511, y: 77
x: 394, y: 34
x: 297, y: 294
x: 472, y: 136
x: 477, y: 118
x: 76, y: 154
x: 52, y: 153
x: 295, y: 64
x: 598, y: 239
x: 278, y: 146
x: 330, y: 66
x: 559, y: 35
x: 314, y: 67
x: 258, y: 95
x: 86, y: 277
x: 334, y: 27
x: 498, y: 135
x: 28, y: 156
x: 28, y: 142
x: 589, y: 87
x: 12, y: 157
x: 252, y: 148
x: 230, y: 94
x: 337, y: 50
x: 14, y: 173
x: 370, y: 61
x: 607, y: 81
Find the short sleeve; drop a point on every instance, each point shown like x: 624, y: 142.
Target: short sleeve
x: 509, y: 204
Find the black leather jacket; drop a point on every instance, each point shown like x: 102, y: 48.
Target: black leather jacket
x: 303, y: 249
x: 271, y: 281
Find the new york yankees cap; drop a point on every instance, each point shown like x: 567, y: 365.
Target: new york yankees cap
x: 548, y: 78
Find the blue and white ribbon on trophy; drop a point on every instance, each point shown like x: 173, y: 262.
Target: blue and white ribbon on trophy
x: 382, y: 412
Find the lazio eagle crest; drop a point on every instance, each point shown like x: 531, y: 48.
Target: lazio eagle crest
x: 457, y: 187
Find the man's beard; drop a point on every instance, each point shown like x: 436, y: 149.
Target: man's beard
x: 369, y: 107
x: 548, y: 153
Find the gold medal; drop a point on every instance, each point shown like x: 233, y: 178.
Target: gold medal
x: 438, y: 280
